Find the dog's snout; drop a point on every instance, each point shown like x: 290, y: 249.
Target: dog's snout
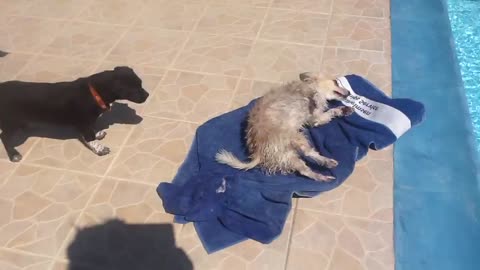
x: 144, y: 94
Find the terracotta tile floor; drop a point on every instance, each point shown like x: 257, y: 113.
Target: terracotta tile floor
x: 198, y: 59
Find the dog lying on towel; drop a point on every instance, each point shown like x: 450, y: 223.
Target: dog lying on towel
x: 77, y: 103
x: 276, y: 124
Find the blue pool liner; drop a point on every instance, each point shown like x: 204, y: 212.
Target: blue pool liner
x: 436, y: 190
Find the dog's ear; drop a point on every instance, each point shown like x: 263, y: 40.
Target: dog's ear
x: 123, y: 69
x: 307, y: 77
x: 119, y: 68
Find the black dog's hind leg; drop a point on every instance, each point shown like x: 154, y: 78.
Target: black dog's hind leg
x: 7, y: 135
x: 89, y: 138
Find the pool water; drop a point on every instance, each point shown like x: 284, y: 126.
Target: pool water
x: 464, y: 17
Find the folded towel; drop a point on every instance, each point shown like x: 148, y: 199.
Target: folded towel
x: 228, y: 206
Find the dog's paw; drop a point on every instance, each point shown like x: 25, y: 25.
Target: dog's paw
x: 331, y: 163
x: 100, y: 135
x: 346, y: 111
x: 323, y: 178
x: 329, y: 178
x: 104, y: 151
x: 98, y: 148
x: 16, y: 158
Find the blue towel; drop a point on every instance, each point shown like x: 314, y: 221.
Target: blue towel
x: 228, y: 206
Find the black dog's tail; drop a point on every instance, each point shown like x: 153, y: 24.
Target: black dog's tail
x: 2, y: 53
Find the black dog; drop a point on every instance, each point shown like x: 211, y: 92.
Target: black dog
x: 78, y: 103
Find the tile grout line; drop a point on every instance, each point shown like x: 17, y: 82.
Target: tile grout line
x: 210, y: 73
x: 345, y: 215
x: 249, y: 56
x: 201, y: 72
x: 188, y: 37
x: 326, y: 13
x: 15, y: 167
x: 37, y: 141
x: 50, y: 261
x: 290, y: 237
x: 27, y: 253
x: 170, y: 68
x: 75, y: 18
x: 174, y: 119
x: 327, y: 30
x: 227, y: 75
x: 41, y: 166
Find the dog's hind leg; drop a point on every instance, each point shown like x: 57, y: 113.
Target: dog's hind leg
x: 301, y: 144
x: 7, y: 135
x: 301, y: 167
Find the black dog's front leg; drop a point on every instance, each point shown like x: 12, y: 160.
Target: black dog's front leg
x: 100, y: 135
x: 6, y: 137
x: 89, y: 139
x: 88, y: 133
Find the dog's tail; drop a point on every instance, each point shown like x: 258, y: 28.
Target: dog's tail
x: 225, y: 157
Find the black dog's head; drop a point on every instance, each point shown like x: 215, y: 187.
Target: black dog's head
x: 127, y: 85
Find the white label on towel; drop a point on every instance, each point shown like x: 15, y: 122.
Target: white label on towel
x: 377, y: 112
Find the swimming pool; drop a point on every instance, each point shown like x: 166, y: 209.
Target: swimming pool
x: 466, y: 32
x: 436, y: 166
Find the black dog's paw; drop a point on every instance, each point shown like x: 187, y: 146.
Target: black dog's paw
x: 98, y: 148
x: 100, y: 135
x: 16, y: 157
x: 104, y: 151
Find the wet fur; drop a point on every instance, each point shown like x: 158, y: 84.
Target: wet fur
x: 65, y: 104
x: 275, y: 137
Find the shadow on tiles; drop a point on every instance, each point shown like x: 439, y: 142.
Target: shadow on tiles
x: 120, y: 113
x: 116, y: 245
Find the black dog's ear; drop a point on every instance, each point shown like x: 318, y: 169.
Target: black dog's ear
x: 122, y: 68
x: 123, y: 72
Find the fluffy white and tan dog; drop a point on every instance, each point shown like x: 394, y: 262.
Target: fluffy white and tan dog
x: 275, y: 137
